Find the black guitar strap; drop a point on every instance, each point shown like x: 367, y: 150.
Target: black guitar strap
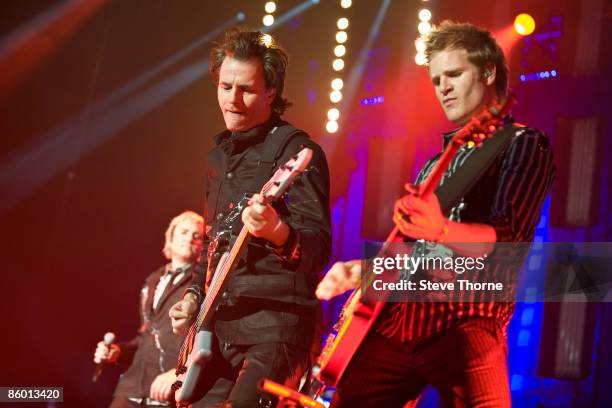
x: 466, y: 176
x: 273, y: 148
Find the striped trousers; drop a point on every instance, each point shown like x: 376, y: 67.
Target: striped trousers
x: 466, y: 364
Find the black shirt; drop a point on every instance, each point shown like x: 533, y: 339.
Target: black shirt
x: 271, y: 292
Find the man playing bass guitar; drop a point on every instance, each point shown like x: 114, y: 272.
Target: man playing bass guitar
x: 266, y: 324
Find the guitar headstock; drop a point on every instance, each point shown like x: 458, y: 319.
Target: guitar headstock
x: 482, y: 126
x: 285, y: 174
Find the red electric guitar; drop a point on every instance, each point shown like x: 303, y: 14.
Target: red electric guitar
x: 358, y: 315
x: 196, y: 348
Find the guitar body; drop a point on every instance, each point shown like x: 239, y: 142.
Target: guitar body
x: 199, y: 356
x: 356, y: 321
x: 348, y: 340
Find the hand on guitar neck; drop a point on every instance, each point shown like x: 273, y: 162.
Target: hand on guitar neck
x: 420, y: 217
x: 182, y: 313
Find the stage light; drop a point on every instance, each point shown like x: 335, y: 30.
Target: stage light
x: 331, y: 126
x: 424, y: 15
x: 337, y: 83
x: 333, y: 114
x: 524, y: 24
x: 420, y: 46
x: 338, y: 64
x: 339, y: 50
x: 267, y: 40
x: 420, y: 59
x: 335, y: 96
x: 341, y: 37
x: 268, y: 20
x: 270, y: 7
x: 424, y: 27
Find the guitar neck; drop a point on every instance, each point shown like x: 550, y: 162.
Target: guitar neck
x: 428, y: 186
x: 220, y: 280
x: 430, y: 183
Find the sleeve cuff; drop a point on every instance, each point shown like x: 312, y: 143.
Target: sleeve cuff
x: 197, y: 292
x: 290, y: 251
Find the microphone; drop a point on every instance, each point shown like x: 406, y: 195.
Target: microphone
x: 109, y: 338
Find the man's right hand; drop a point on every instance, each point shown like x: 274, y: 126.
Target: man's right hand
x: 182, y: 314
x: 340, y: 278
x: 106, y: 354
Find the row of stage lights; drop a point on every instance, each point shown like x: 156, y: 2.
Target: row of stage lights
x: 335, y: 96
x: 337, y: 83
x: 524, y: 25
x: 269, y: 8
x: 424, y: 28
x: 535, y: 76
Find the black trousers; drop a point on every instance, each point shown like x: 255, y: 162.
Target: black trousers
x: 466, y: 364
x: 230, y: 379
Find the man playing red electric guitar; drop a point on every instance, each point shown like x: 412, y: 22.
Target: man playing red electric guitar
x: 458, y: 347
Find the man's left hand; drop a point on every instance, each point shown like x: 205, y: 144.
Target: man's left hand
x: 161, y: 389
x: 419, y: 217
x: 262, y: 221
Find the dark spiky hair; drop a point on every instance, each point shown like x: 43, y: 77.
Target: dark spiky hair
x: 243, y: 44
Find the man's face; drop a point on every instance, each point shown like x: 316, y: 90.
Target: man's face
x: 186, y: 240
x: 243, y: 97
x: 461, y: 87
